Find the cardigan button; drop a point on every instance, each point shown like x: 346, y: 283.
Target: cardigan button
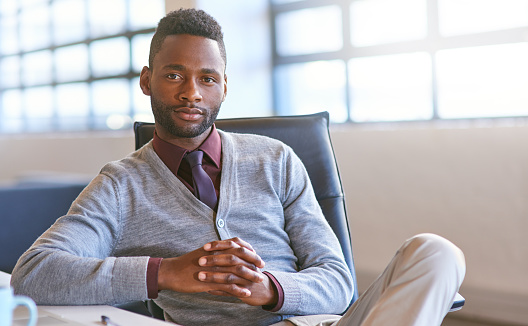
x: 220, y: 223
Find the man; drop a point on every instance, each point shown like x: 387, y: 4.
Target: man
x: 246, y: 254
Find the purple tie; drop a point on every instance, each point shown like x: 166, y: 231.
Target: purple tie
x: 202, y: 184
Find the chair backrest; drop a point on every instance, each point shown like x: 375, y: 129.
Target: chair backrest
x: 309, y: 137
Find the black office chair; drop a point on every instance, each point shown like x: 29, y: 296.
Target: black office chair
x: 309, y: 137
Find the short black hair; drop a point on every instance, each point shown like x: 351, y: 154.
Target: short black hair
x: 187, y: 21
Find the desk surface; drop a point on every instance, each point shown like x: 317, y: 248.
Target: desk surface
x: 89, y: 315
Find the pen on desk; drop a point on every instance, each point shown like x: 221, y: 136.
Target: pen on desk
x: 106, y: 321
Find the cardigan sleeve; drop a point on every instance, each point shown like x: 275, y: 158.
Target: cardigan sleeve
x: 323, y: 283
x: 72, y: 263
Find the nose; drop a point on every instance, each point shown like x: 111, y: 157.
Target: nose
x: 190, y: 92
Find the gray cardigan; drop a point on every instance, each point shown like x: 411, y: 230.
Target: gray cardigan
x: 136, y: 208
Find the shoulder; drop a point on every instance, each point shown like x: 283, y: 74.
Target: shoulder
x: 125, y: 176
x: 258, y: 150
x: 253, y: 142
x: 134, y: 164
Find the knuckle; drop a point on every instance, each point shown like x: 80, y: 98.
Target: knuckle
x: 242, y: 250
x: 230, y: 278
x: 240, y: 269
x: 231, y: 259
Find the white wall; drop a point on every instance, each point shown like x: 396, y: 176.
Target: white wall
x: 77, y: 156
x: 467, y: 184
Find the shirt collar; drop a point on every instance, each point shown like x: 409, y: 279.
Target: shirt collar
x: 172, y: 155
x: 212, y: 146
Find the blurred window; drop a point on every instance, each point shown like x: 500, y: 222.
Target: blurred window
x: 74, y: 64
x: 309, y: 31
x: 306, y: 87
x: 485, y: 81
x: 401, y: 60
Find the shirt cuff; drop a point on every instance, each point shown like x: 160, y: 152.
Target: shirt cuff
x: 152, y: 277
x: 280, y: 294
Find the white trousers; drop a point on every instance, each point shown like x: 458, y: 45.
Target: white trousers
x: 416, y: 289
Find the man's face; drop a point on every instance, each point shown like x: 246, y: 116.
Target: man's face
x: 187, y: 86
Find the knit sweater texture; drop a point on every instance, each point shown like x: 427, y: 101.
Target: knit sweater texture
x: 137, y: 208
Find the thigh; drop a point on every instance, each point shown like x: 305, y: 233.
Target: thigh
x: 284, y: 323
x: 416, y: 288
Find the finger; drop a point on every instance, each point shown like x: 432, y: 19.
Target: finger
x: 222, y: 259
x: 232, y: 290
x: 242, y: 243
x: 220, y: 293
x: 220, y: 245
x: 232, y: 257
x: 227, y: 244
x: 243, y: 275
x: 221, y: 278
x: 236, y: 274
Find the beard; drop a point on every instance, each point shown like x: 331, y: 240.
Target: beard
x: 162, y: 114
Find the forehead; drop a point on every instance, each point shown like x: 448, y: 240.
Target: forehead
x: 189, y: 51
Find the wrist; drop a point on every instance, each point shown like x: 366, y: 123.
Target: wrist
x: 278, y: 300
x: 163, y: 274
x: 273, y: 293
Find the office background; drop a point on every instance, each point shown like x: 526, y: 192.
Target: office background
x: 465, y: 179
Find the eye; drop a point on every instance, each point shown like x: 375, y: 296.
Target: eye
x: 173, y: 76
x: 209, y: 80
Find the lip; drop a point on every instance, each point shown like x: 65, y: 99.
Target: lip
x: 188, y: 114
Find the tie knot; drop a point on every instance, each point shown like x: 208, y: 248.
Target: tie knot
x: 194, y: 158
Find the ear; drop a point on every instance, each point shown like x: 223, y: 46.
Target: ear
x: 225, y: 88
x: 144, y: 80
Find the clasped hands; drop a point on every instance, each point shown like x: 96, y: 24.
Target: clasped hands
x: 225, y: 267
